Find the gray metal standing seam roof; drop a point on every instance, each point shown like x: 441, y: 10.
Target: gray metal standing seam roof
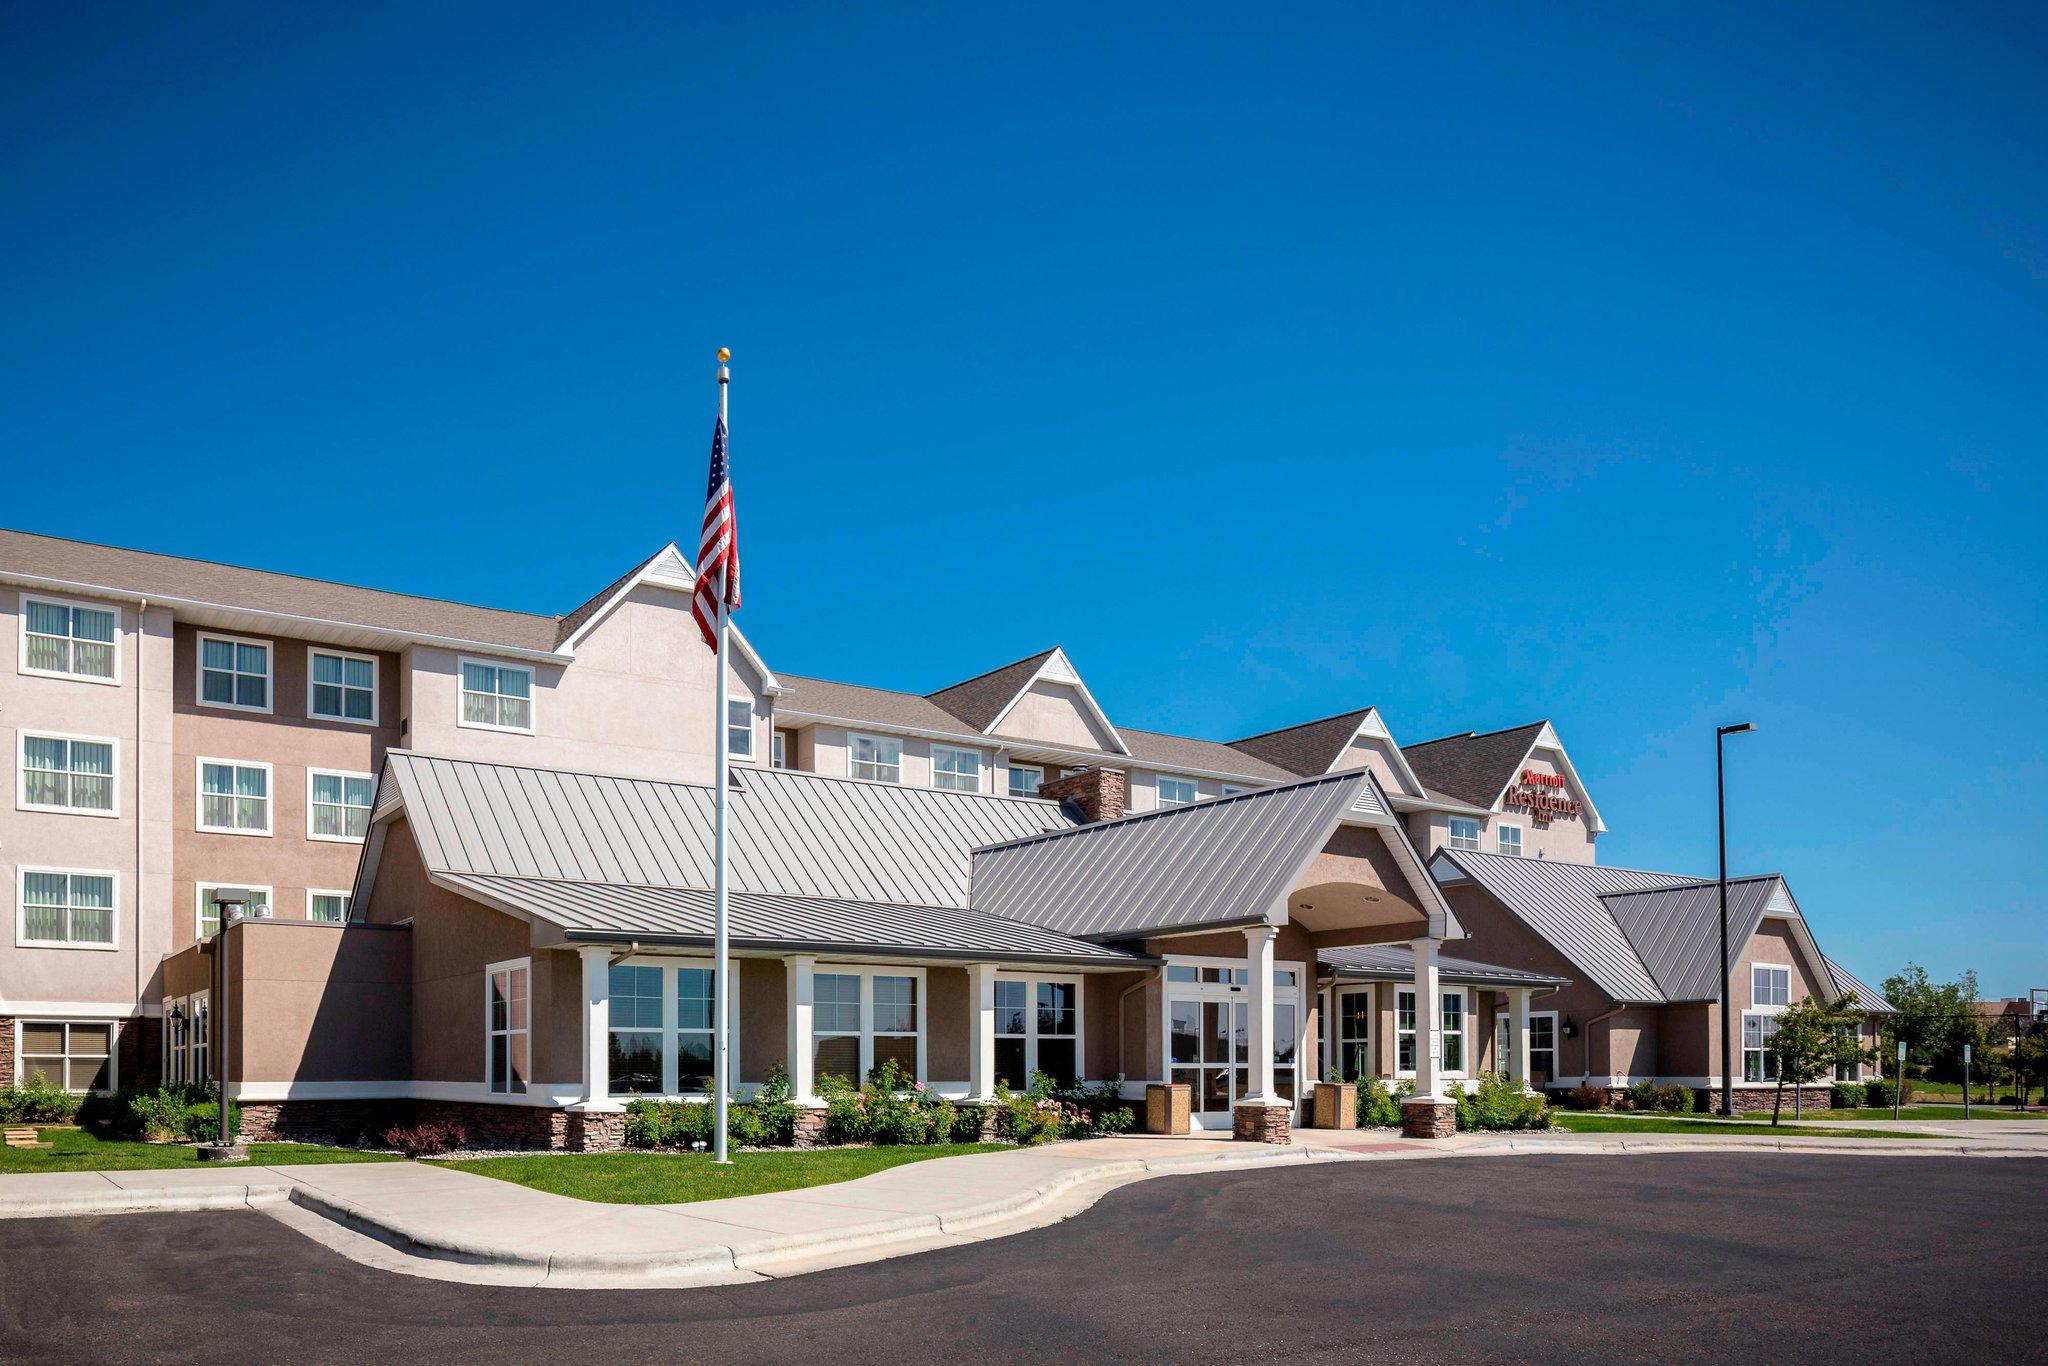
x: 1676, y: 930
x: 1562, y: 902
x: 1223, y: 861
x: 1396, y: 963
x: 824, y: 862
x: 1846, y: 983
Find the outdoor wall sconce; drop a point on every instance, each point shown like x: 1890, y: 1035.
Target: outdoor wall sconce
x: 1571, y: 1028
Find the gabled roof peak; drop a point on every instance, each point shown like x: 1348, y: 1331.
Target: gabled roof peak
x: 984, y: 700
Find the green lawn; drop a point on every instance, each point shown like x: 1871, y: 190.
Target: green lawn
x: 673, y: 1178
x: 73, y: 1150
x: 1977, y: 1112
x: 1578, y: 1122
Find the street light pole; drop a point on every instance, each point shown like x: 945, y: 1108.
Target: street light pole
x: 1721, y: 817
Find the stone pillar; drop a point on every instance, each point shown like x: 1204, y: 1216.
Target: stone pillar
x: 1428, y: 1113
x: 1518, y: 1037
x: 802, y: 992
x: 1098, y: 794
x: 597, y: 1031
x: 981, y: 1031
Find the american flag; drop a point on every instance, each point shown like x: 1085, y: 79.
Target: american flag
x: 718, y: 549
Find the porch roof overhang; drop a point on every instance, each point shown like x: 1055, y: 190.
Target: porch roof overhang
x: 1396, y: 963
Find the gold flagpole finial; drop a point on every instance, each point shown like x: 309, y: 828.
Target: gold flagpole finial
x: 724, y: 355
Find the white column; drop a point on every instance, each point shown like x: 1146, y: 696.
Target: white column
x: 597, y: 1031
x: 1429, y: 1022
x: 1518, y: 1037
x: 1326, y: 1022
x: 981, y: 1030
x: 803, y: 1053
x: 1258, y: 960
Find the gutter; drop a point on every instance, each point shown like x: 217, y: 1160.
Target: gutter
x: 813, y: 946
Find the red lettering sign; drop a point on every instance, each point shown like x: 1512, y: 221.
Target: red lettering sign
x: 1543, y: 796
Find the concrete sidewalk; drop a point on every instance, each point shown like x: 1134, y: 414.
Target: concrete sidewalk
x: 425, y: 1220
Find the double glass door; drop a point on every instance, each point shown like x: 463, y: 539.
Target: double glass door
x: 1208, y: 1013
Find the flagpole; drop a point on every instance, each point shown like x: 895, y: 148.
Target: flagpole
x: 720, y: 1073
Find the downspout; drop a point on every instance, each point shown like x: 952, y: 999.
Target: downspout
x: 141, y: 621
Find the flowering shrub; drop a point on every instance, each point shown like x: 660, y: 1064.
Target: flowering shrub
x: 1048, y: 1111
x: 428, y: 1138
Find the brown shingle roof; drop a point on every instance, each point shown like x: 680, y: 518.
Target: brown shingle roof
x: 1307, y: 749
x: 202, y: 581
x: 981, y: 699
x: 1472, y: 768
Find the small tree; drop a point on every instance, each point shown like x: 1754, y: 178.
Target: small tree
x: 1814, y: 1038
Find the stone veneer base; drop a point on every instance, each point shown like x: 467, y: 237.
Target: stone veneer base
x: 1428, y: 1118
x: 1262, y: 1123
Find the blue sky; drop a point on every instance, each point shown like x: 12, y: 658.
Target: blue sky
x: 1639, y: 371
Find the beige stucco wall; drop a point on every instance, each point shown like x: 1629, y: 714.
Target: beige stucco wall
x: 321, y: 1002
x: 1564, y: 838
x: 1141, y: 788
x: 287, y: 861
x: 138, y: 721
x: 1366, y: 751
x: 636, y: 701
x: 1055, y: 714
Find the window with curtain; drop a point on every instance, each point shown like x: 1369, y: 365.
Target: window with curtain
x: 878, y: 759
x: 62, y: 774
x: 1464, y: 834
x: 956, y: 770
x: 338, y: 804
x: 66, y: 908
x: 209, y: 908
x: 497, y: 696
x: 507, y: 1029
x: 234, y: 797
x: 1176, y: 791
x: 1509, y: 838
x: 77, y: 1056
x: 234, y: 673
x: 1025, y: 780
x: 67, y: 640
x: 329, y: 908
x: 343, y: 687
x: 636, y: 1030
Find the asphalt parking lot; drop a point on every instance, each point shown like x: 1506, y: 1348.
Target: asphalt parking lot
x: 1654, y: 1258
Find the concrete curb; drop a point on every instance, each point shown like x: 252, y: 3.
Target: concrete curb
x: 116, y: 1200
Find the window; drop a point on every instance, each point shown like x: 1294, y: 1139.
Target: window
x: 63, y: 908
x: 862, y: 1019
x: 1355, y: 1061
x: 696, y: 1013
x: 66, y: 773
x: 506, y: 1029
x: 329, y: 908
x: 1464, y: 833
x: 1404, y: 1031
x: 234, y: 673
x: 338, y: 805
x: 67, y: 640
x: 785, y: 748
x: 1758, y: 1062
x: 1454, y: 1031
x: 1025, y: 780
x: 874, y: 758
x: 739, y: 727
x: 1509, y: 839
x: 255, y: 904
x: 341, y: 687
x: 636, y: 1033
x: 75, y: 1055
x: 956, y: 770
x: 1770, y: 985
x: 1176, y: 791
x: 185, y: 1039
x: 234, y: 798
x: 1542, y: 1048
x: 497, y: 696
x: 1038, y: 1029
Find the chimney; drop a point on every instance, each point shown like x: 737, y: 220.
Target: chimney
x: 1097, y: 793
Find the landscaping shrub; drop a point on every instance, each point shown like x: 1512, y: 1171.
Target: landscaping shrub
x: 1027, y: 1117
x: 1378, y: 1108
x: 159, y: 1116
x: 112, y: 1116
x: 1878, y: 1094
x: 428, y: 1138
x: 668, y: 1123
x: 1648, y: 1096
x: 1846, y: 1095
x: 37, y: 1101
x: 1583, y: 1097
x: 1499, y: 1105
x: 201, y: 1121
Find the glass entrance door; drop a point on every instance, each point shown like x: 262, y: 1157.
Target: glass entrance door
x: 1211, y: 1043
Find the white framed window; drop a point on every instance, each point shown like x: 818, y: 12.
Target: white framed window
x: 877, y: 758
x: 636, y: 1032
x: 496, y: 696
x: 863, y: 1017
x: 1025, y: 780
x: 1176, y: 791
x: 341, y: 686
x: 61, y: 638
x: 507, y: 1025
x: 76, y: 1055
x: 1758, y: 1062
x: 67, y: 908
x: 1451, y: 1011
x: 338, y: 805
x: 1038, y: 1029
x: 234, y: 672
x: 1354, y: 1011
x: 739, y: 727
x: 1464, y: 833
x: 1542, y: 1046
x: 1508, y: 839
x: 955, y: 769
x: 76, y: 774
x: 327, y: 907
x: 234, y: 797
x: 206, y: 914
x: 1404, y: 1032
x: 661, y: 1013
x: 1770, y: 984
x: 185, y: 1041
x: 781, y: 751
